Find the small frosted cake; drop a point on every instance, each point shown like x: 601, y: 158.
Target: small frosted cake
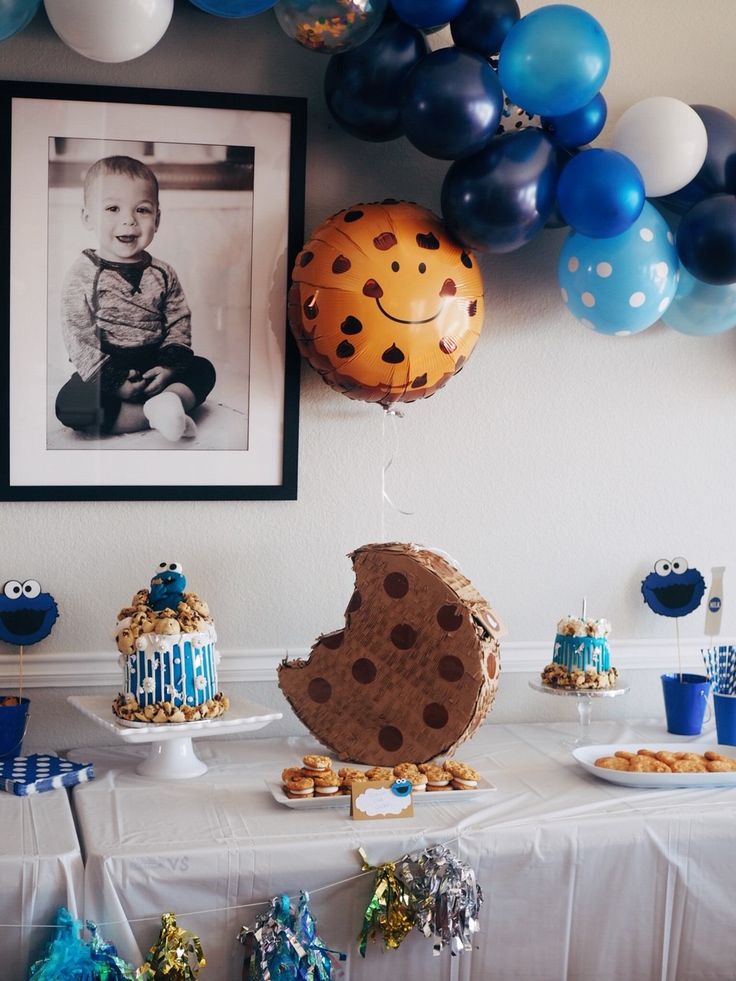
x: 581, y: 656
x: 166, y: 639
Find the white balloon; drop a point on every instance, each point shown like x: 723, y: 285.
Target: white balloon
x: 110, y: 30
x: 667, y: 141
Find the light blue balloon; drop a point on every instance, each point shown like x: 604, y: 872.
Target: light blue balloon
x: 621, y: 285
x: 15, y: 15
x: 554, y: 60
x: 700, y: 308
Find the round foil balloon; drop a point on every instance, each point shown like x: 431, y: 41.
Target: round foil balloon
x: 384, y: 304
x: 113, y: 31
x: 330, y: 26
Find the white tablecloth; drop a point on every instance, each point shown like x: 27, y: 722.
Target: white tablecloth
x: 40, y: 870
x: 582, y: 879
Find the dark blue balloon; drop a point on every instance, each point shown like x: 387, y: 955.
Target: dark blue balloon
x: 482, y: 25
x: 579, y: 127
x: 233, y: 8
x: 600, y: 193
x: 718, y: 173
x: 363, y: 86
x: 452, y: 103
x: 427, y: 15
x: 706, y: 240
x: 498, y: 199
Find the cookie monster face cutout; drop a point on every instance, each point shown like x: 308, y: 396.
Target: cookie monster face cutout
x: 673, y: 590
x: 167, y: 586
x: 26, y: 614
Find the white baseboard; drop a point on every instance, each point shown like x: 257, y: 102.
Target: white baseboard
x: 100, y: 668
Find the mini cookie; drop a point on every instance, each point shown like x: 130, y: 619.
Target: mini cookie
x: 348, y: 775
x: 166, y: 625
x: 688, y: 766
x: 648, y: 764
x: 406, y: 771
x: 379, y: 773
x: 721, y: 766
x: 318, y: 764
x: 298, y: 787
x: 438, y: 778
x: 326, y: 784
x: 647, y: 752
x: 667, y: 757
x: 462, y: 771
x: 612, y: 763
x: 290, y: 772
x: 710, y: 755
x: 624, y: 754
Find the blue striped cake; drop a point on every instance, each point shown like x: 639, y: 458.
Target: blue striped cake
x: 168, y: 655
x: 581, y: 656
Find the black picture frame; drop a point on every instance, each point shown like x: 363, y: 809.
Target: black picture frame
x: 246, y: 444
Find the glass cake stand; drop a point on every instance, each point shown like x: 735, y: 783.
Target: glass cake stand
x: 584, y: 702
x: 171, y: 755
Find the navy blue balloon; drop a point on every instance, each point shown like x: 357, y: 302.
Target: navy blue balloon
x: 234, y: 8
x: 427, y: 15
x: 498, y: 199
x: 706, y: 240
x: 363, y: 86
x: 718, y: 173
x: 452, y: 103
x: 482, y: 25
x: 600, y: 193
x: 15, y: 15
x: 580, y: 126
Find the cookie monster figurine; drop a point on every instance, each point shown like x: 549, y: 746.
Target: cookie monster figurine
x: 167, y: 587
x: 673, y: 589
x: 26, y: 614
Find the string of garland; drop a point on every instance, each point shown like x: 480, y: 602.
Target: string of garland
x: 431, y: 891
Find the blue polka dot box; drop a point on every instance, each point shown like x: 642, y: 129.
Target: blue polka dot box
x: 25, y: 775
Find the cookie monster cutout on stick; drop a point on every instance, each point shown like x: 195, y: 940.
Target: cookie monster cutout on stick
x: 673, y: 589
x: 167, y: 586
x: 26, y: 614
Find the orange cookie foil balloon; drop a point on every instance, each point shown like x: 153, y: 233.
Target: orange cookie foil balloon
x: 415, y: 669
x: 384, y: 304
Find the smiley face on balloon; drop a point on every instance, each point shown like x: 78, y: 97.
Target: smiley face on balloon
x: 384, y: 304
x: 27, y: 614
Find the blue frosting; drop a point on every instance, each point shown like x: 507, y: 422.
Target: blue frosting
x: 582, y: 652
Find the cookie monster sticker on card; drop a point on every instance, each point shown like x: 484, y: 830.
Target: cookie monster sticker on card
x: 673, y: 589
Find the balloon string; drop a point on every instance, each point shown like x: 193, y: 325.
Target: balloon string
x: 385, y: 497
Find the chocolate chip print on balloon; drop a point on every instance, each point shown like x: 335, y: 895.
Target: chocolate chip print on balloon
x: 415, y: 668
x: 384, y: 304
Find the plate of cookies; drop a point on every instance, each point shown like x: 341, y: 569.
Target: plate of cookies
x: 318, y: 782
x: 663, y: 766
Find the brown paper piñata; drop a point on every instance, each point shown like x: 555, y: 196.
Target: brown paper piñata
x: 415, y: 669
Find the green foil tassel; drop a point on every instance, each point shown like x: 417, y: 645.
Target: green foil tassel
x: 176, y: 955
x: 388, y: 911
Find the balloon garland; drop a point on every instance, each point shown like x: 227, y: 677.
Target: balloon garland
x: 546, y: 70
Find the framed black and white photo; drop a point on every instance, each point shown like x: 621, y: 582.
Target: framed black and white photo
x: 148, y: 240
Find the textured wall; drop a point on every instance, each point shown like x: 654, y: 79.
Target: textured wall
x: 558, y: 464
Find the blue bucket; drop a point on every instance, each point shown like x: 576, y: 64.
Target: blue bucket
x: 13, y: 722
x: 685, y: 699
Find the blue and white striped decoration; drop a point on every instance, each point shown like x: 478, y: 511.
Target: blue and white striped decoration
x: 720, y: 663
x: 180, y: 669
x: 582, y: 652
x: 25, y: 775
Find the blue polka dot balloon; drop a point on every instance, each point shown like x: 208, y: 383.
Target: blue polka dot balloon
x: 621, y: 285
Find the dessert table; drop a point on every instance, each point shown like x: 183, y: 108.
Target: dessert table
x: 40, y: 869
x: 583, y: 879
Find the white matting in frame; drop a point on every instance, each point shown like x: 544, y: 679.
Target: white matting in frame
x: 264, y: 464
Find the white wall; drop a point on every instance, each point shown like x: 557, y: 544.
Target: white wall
x: 558, y: 464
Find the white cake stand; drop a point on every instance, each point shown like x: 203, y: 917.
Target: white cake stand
x: 584, y: 703
x: 171, y: 755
